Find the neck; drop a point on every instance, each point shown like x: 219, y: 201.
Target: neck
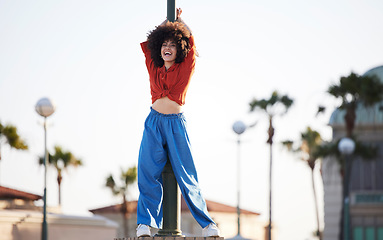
x: 168, y: 65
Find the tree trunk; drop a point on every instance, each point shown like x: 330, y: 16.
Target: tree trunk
x: 59, y: 179
x: 270, y: 141
x: 270, y: 131
x: 319, y: 233
x: 349, y: 119
x: 124, y: 212
x: 0, y: 151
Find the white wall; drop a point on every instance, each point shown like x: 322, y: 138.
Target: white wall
x: 26, y: 225
x: 332, y: 187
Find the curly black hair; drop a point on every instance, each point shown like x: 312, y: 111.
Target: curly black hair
x: 174, y: 31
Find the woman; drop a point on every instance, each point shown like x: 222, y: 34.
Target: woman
x: 170, y: 59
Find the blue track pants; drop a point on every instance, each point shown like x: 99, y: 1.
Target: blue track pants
x: 164, y: 138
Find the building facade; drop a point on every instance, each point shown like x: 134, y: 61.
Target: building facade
x: 366, y: 177
x: 21, y: 219
x: 225, y: 216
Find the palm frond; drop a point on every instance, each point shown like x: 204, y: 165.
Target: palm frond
x: 269, y: 105
x: 12, y: 137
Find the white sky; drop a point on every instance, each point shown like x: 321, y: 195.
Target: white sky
x: 85, y: 55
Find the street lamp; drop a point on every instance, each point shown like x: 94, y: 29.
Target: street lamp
x: 171, y: 204
x: 238, y: 127
x: 45, y: 107
x: 346, y: 146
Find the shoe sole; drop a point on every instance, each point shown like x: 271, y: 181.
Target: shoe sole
x: 211, y: 236
x: 144, y: 236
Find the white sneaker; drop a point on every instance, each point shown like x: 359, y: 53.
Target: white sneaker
x: 143, y: 230
x: 210, y: 230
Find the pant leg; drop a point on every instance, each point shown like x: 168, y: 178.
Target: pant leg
x: 151, y: 161
x: 180, y: 156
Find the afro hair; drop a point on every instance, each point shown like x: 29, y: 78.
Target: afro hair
x: 174, y: 31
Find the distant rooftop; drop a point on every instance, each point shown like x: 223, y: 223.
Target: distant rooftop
x: 9, y: 193
x: 378, y: 71
x: 211, y: 207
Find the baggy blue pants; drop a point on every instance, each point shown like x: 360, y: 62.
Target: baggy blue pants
x: 164, y: 138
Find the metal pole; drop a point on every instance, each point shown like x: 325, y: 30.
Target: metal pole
x: 44, y: 231
x: 171, y: 10
x: 171, y: 205
x: 346, y: 198
x: 238, y: 188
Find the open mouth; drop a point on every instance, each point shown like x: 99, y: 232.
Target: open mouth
x: 167, y: 53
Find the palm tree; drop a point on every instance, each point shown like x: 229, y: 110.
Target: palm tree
x: 353, y: 91
x: 127, y: 178
x: 275, y: 105
x: 61, y: 160
x: 308, y: 147
x: 8, y: 134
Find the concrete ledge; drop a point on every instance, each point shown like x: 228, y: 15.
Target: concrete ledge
x: 171, y: 238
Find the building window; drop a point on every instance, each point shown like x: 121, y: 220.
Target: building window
x: 367, y: 233
x: 365, y: 172
x: 380, y: 233
x: 358, y: 233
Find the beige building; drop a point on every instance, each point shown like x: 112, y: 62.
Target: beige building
x: 366, y: 180
x: 21, y: 219
x: 225, y: 216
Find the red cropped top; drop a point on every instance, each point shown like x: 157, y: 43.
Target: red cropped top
x: 174, y: 82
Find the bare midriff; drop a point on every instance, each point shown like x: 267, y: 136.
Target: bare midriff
x: 166, y: 106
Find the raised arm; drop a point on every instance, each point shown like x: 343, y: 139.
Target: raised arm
x: 164, y: 22
x: 179, y: 19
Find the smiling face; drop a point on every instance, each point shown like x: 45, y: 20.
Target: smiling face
x: 169, y: 52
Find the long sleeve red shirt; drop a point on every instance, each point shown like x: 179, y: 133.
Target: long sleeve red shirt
x: 174, y: 82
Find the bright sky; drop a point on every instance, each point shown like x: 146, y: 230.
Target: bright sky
x: 85, y: 56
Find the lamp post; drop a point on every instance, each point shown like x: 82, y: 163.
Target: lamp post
x: 171, y: 10
x: 45, y: 108
x: 346, y: 146
x: 171, y: 204
x: 239, y: 127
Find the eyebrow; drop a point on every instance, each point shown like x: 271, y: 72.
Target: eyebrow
x: 169, y: 41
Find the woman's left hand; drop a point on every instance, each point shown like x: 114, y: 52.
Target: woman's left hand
x: 178, y: 13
